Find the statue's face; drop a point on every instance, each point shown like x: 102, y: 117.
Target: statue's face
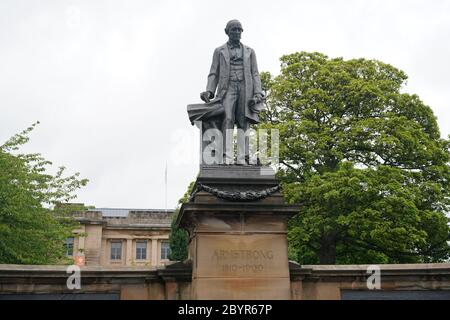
x: 234, y: 32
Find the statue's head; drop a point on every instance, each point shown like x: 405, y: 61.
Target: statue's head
x: 234, y: 29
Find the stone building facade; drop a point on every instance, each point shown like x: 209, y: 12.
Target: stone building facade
x: 121, y: 237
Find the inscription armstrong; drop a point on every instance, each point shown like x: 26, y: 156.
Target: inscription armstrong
x: 221, y: 255
x: 242, y: 261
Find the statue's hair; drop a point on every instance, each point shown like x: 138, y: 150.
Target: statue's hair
x: 231, y: 22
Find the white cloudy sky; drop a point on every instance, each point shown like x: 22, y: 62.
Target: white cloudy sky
x: 105, y: 77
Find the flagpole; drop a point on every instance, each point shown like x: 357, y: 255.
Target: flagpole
x: 165, y: 187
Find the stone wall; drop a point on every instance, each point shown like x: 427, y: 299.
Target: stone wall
x: 329, y: 282
x: 129, y: 283
x: 173, y: 282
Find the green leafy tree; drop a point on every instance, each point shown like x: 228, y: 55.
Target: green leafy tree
x: 33, y: 224
x: 364, y: 160
x: 179, y: 239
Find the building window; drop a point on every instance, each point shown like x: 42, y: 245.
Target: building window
x: 116, y: 250
x: 165, y: 250
x: 141, y: 250
x: 68, y: 244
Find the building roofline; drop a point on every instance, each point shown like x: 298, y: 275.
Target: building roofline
x: 132, y: 209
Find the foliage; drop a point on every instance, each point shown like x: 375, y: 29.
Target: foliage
x: 33, y: 224
x: 364, y: 160
x: 179, y: 238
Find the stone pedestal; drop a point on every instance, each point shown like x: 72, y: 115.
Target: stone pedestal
x: 237, y: 220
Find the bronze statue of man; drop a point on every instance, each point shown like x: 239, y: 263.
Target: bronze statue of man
x: 234, y: 79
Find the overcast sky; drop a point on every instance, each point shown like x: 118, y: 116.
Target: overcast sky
x: 110, y: 80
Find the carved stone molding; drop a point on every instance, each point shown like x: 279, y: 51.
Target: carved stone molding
x: 249, y: 195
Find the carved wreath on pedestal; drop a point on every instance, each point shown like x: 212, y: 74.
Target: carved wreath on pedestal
x: 236, y: 195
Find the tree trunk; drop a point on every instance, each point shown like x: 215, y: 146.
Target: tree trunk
x: 327, y: 252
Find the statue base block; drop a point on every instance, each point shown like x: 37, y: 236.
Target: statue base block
x: 237, y: 222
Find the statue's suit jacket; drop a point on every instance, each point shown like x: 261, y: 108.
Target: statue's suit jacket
x: 219, y: 77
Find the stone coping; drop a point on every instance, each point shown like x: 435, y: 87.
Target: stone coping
x: 408, y: 266
x: 419, y: 270
x: 178, y: 271
x: 182, y: 272
x: 293, y: 266
x: 247, y: 172
x: 56, y: 268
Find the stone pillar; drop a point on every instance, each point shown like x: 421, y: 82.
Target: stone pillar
x: 81, y: 243
x: 154, y: 252
x: 171, y: 288
x: 237, y: 224
x: 93, y: 243
x: 129, y: 252
x: 79, y: 253
x: 105, y: 253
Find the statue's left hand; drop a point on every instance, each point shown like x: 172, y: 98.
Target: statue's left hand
x: 255, y: 100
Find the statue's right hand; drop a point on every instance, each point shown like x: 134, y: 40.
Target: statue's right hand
x: 206, y: 96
